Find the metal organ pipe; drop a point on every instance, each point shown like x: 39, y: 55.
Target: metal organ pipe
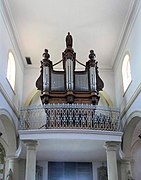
x: 45, y: 78
x: 69, y: 74
x: 93, y: 83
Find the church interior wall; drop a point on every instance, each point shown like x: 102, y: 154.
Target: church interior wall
x: 8, y: 139
x: 10, y: 99
x: 44, y: 165
x: 11, y: 109
x: 137, y: 159
x: 7, y: 45
x: 131, y: 143
x: 95, y: 166
x: 129, y: 101
x: 22, y: 167
x: 109, y: 84
x: 132, y: 46
x: 25, y: 85
x: 29, y: 86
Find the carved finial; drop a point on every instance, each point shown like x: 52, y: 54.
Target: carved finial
x: 46, y: 55
x: 69, y: 40
x: 92, y: 55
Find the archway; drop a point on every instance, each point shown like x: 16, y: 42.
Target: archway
x: 8, y: 130
x: 130, y: 133
x: 131, y: 143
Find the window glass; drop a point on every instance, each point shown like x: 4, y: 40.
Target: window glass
x: 11, y: 70
x: 126, y: 72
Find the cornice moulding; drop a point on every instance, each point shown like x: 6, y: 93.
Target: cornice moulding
x: 131, y: 101
x: 7, y: 98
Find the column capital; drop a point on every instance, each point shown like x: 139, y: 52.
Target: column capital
x: 125, y: 161
x: 12, y: 158
x: 30, y: 144
x: 111, y: 145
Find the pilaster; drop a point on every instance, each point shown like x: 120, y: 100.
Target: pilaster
x: 12, y: 167
x: 30, y: 159
x: 111, y: 148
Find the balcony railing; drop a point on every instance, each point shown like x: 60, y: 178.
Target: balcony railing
x: 70, y: 116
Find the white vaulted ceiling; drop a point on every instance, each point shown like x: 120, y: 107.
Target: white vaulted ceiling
x: 94, y: 24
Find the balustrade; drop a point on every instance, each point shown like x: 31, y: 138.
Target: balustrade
x: 70, y: 116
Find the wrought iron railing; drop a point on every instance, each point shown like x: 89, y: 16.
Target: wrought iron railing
x: 70, y: 116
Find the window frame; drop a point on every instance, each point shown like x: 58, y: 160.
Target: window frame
x: 11, y: 70
x: 126, y: 71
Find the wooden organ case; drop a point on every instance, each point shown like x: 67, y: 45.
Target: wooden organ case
x: 69, y: 86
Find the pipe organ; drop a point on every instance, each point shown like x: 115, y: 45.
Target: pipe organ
x: 69, y: 85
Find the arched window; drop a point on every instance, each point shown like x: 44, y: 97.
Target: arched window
x: 11, y: 70
x: 126, y: 72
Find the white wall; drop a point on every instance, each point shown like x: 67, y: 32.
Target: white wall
x: 107, y: 75
x: 10, y: 101
x: 29, y: 86
x: 8, y: 43
x: 130, y: 101
x: 131, y: 44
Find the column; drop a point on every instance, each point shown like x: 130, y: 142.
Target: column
x: 30, y: 159
x: 12, y: 165
x: 111, y: 148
